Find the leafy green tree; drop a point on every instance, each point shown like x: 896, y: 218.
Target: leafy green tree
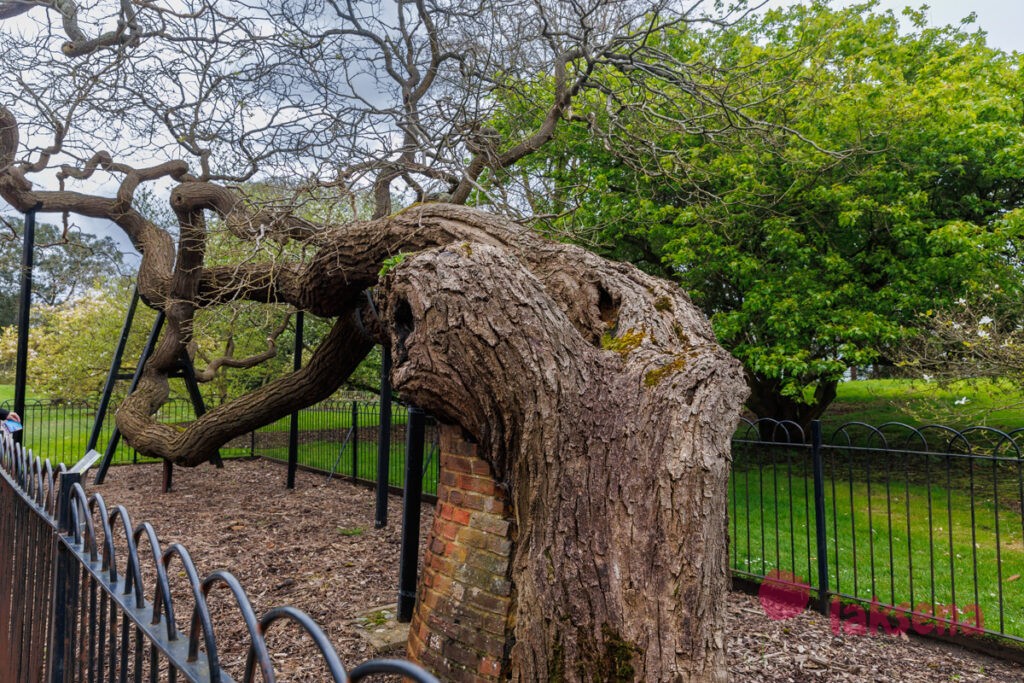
x: 66, y: 264
x: 71, y: 343
x: 872, y: 177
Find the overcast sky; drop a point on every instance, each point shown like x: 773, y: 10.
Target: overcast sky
x: 1003, y: 20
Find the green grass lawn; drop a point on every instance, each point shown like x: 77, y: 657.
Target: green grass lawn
x: 998, y: 404
x: 7, y: 393
x: 316, y: 418
x: 933, y: 556
x: 331, y: 456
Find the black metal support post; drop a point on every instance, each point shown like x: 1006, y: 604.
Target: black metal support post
x: 188, y: 373
x: 819, y: 516
x: 65, y: 586
x: 115, y: 370
x: 293, y: 432
x: 168, y: 476
x: 413, y: 497
x: 115, y: 436
x: 24, y: 308
x: 355, y: 440
x: 384, y: 439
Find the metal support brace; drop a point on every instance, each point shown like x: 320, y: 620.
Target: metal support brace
x: 115, y: 436
x: 115, y: 371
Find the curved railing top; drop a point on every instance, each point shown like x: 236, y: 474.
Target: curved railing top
x: 979, y: 441
x: 96, y: 534
x: 770, y: 430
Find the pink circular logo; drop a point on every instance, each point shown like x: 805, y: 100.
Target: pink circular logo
x: 783, y: 595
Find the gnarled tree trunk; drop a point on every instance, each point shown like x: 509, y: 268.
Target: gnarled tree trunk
x: 599, y: 397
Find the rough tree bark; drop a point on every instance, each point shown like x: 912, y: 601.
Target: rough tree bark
x: 600, y: 397
x: 596, y: 392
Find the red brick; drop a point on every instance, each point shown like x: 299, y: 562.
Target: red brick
x: 495, y: 565
x: 491, y: 524
x: 497, y: 506
x: 481, y: 467
x: 459, y: 463
x: 484, y: 485
x: 429, y: 599
x: 460, y: 515
x: 422, y: 631
x: 439, y: 564
x: 478, y: 539
x: 456, y: 552
x: 451, y: 531
x: 487, y: 602
x: 456, y: 441
x: 458, y: 652
x: 442, y: 583
x: 474, y: 501
x: 489, y: 667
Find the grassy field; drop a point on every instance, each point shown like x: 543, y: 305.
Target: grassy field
x: 998, y: 404
x: 933, y: 557
x: 334, y: 457
x: 7, y: 393
x: 916, y: 402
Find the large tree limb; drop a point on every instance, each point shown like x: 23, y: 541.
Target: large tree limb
x: 333, y: 361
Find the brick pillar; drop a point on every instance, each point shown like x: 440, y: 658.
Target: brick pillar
x: 460, y: 623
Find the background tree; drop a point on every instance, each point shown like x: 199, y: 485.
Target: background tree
x: 66, y: 363
x: 878, y: 176
x: 67, y: 264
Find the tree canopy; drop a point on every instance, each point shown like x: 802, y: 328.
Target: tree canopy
x: 879, y: 178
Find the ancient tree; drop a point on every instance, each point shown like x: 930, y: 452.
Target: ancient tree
x: 596, y: 393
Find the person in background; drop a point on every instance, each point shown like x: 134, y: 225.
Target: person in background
x: 9, y: 415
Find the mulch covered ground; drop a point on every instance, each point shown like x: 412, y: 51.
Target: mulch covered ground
x: 315, y: 548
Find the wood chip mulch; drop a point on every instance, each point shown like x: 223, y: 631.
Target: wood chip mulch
x: 315, y: 548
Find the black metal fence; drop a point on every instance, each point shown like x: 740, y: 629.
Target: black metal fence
x: 890, y: 528
x: 922, y: 524
x: 73, y: 586
x: 61, y: 429
x: 340, y: 437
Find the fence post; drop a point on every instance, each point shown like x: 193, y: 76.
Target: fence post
x: 819, y: 516
x: 65, y: 586
x: 384, y: 438
x: 355, y: 440
x: 414, y: 431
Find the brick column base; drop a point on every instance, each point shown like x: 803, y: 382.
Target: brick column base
x: 460, y: 624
